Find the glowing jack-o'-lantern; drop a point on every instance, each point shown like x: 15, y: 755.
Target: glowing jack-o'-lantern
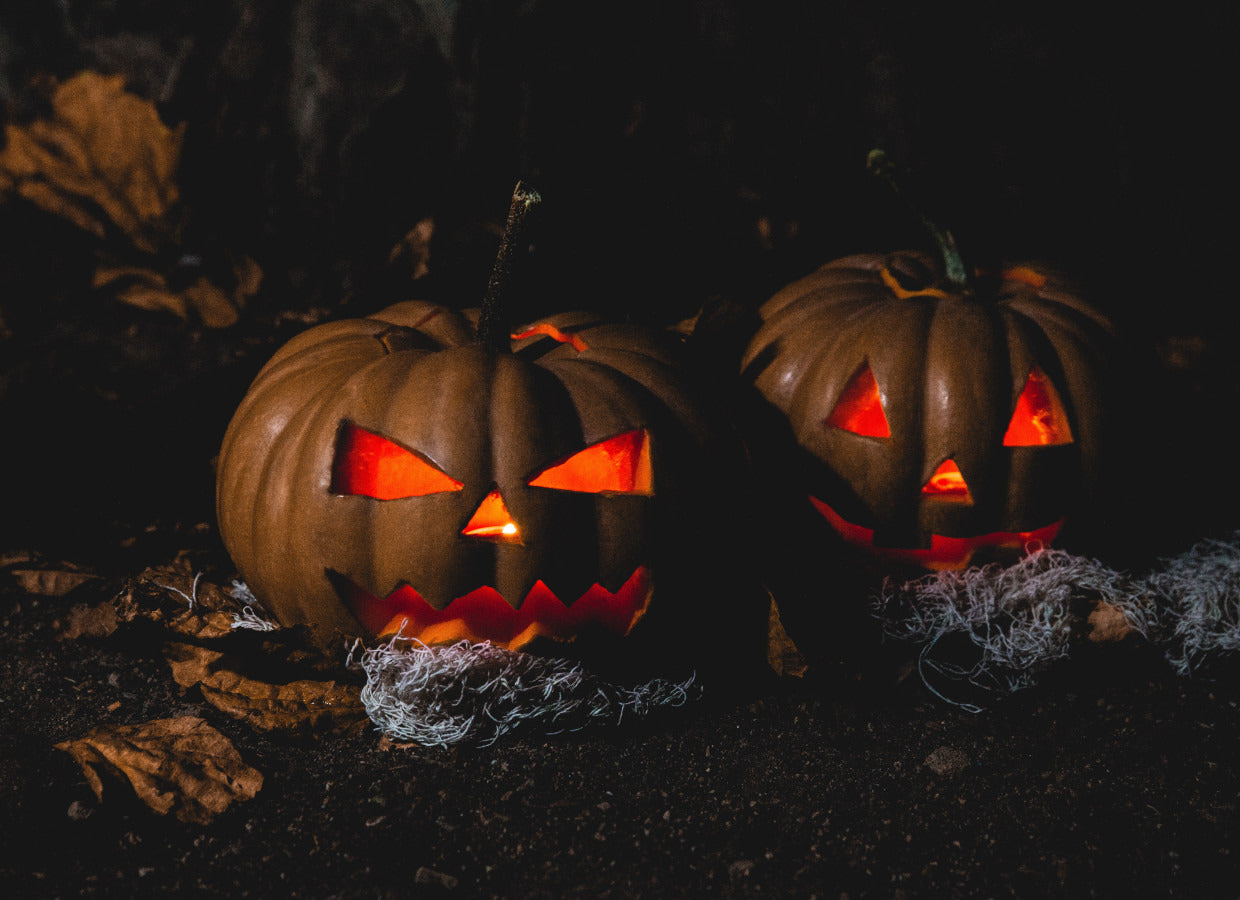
x: 393, y: 475
x: 938, y: 418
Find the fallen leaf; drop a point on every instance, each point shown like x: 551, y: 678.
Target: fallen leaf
x: 1107, y: 624
x: 190, y: 663
x: 181, y: 766
x: 50, y: 582
x: 298, y: 706
x: 413, y: 251
x: 782, y: 654
x: 103, y: 160
x: 86, y: 620
x: 295, y: 707
x: 186, y: 604
x: 214, y: 306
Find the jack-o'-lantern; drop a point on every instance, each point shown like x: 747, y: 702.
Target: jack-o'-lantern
x: 394, y: 475
x: 939, y: 416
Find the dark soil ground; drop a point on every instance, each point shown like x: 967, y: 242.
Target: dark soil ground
x: 1111, y: 778
x: 693, y: 154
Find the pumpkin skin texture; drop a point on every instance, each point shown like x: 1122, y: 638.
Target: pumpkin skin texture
x: 502, y: 520
x: 937, y: 424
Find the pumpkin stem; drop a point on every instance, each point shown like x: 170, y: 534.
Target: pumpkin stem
x: 493, y: 325
x: 881, y: 165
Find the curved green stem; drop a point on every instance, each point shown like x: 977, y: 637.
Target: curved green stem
x: 881, y: 165
x: 494, y: 329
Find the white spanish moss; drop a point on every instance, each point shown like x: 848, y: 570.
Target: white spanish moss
x: 442, y: 695
x: 1019, y: 620
x: 1198, y: 596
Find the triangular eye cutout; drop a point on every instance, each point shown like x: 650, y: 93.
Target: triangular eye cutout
x: 947, y: 483
x: 492, y: 521
x: 369, y: 465
x: 618, y: 465
x: 860, y: 407
x: 1039, y: 419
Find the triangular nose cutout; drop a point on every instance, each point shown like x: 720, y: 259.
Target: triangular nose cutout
x: 947, y: 483
x: 492, y: 522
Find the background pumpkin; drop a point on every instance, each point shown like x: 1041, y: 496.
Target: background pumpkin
x: 486, y: 440
x: 937, y: 420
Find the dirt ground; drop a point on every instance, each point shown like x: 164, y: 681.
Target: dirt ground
x: 1111, y: 778
x: 690, y: 156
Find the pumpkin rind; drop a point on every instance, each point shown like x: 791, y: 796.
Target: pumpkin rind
x: 950, y: 365
x: 414, y: 374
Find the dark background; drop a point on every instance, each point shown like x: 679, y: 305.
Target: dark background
x: 689, y: 154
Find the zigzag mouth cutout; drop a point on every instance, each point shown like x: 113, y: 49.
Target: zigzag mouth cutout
x: 944, y: 552
x: 484, y: 615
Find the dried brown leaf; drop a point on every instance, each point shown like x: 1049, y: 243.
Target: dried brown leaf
x: 295, y: 707
x: 103, y: 160
x: 50, y: 582
x: 201, y: 624
x: 185, y: 604
x: 142, y: 288
x: 85, y: 620
x: 181, y: 766
x: 413, y: 251
x: 782, y: 654
x: 298, y: 706
x: 214, y: 306
x: 190, y: 663
x: 1107, y: 624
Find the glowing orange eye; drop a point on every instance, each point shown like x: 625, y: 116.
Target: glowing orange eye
x: 619, y: 465
x: 368, y: 465
x: 860, y: 407
x: 1039, y: 419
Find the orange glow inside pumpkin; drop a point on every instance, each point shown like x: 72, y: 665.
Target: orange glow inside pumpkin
x: 484, y: 615
x: 944, y: 552
x: 551, y: 331
x: 1025, y: 275
x: 369, y: 465
x: 492, y: 521
x: 1039, y: 419
x: 860, y: 407
x: 947, y: 483
x: 619, y: 465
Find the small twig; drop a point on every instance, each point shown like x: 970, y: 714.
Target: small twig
x: 493, y: 326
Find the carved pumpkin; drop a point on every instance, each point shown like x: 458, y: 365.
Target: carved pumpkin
x: 939, y: 418
x: 391, y: 474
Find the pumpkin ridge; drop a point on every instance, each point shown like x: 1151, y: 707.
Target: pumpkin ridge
x: 267, y: 541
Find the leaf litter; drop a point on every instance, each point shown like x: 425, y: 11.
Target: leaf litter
x: 106, y: 162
